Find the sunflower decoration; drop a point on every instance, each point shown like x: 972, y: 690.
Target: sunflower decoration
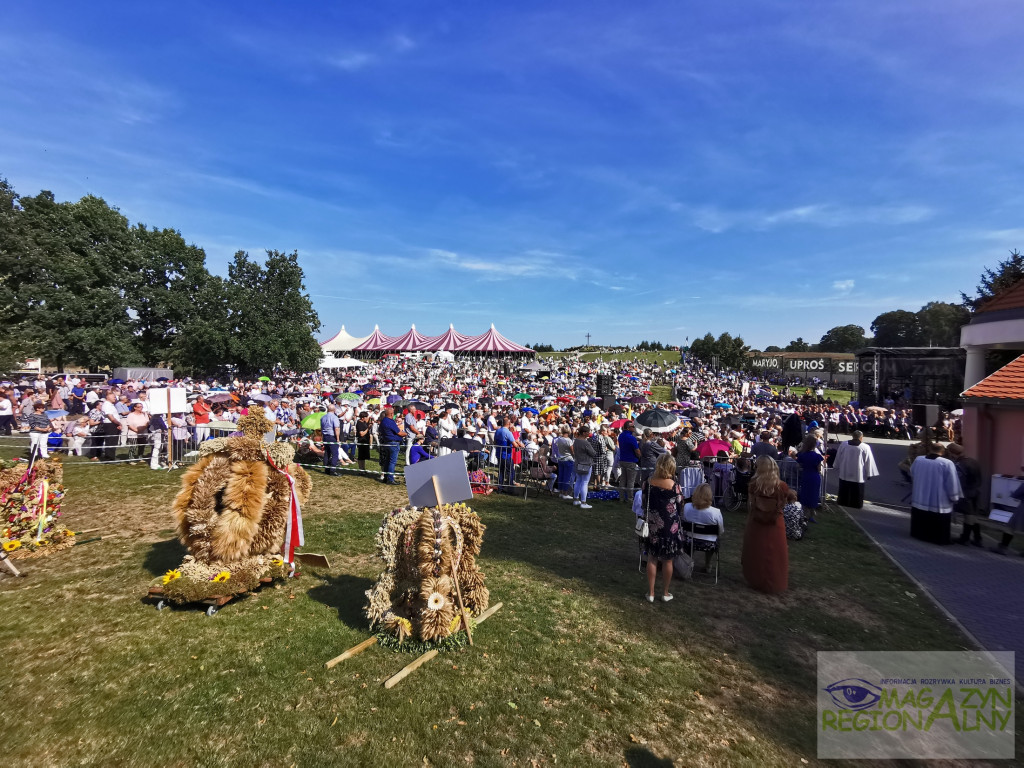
x: 171, y: 575
x: 221, y: 577
x: 10, y: 546
x: 424, y: 551
x: 277, y: 562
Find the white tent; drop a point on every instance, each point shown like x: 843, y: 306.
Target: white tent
x: 442, y: 354
x: 341, y: 362
x: 342, y: 341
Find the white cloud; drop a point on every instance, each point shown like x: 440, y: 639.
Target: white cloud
x: 351, y: 61
x: 402, y: 43
x: 716, y: 220
x: 842, y: 286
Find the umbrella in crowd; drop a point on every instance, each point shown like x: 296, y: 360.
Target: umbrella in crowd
x: 502, y: 403
x: 461, y: 444
x: 392, y: 399
x: 162, y: 378
x: 617, y: 424
x: 262, y: 398
x: 521, y: 396
x: 876, y: 409
x: 115, y: 381
x: 617, y: 408
x: 534, y: 411
x: 550, y: 408
x: 658, y: 420
x: 639, y: 400
x: 420, y: 405
x: 711, y: 448
x: 372, y: 393
x: 724, y: 406
x: 223, y: 397
x: 312, y: 421
x: 264, y: 378
x: 347, y: 396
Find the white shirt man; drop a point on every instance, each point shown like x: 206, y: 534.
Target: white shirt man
x: 855, y: 465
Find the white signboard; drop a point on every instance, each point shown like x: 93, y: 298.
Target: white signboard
x: 452, y: 479
x: 167, y: 401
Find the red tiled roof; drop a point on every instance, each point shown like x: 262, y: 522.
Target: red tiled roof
x: 1005, y: 384
x: 1011, y: 298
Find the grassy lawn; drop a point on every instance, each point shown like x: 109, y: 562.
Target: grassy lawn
x: 576, y: 669
x: 841, y: 396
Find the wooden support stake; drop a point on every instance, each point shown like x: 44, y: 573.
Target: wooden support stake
x: 455, y: 575
x: 391, y: 682
x: 7, y: 561
x: 355, y: 650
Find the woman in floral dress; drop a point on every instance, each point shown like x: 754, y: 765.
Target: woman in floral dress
x: 665, y: 502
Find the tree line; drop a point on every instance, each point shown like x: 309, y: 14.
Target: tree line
x: 81, y: 286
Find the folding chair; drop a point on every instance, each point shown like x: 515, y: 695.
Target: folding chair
x: 704, y: 529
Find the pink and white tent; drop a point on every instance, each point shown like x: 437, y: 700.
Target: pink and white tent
x: 448, y: 341
x: 411, y: 341
x: 491, y: 341
x: 376, y: 342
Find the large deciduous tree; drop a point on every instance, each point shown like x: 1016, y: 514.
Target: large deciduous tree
x: 940, y: 323
x: 842, y: 338
x: 898, y: 328
x: 271, y: 318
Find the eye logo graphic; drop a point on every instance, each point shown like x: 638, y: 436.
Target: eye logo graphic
x: 855, y: 694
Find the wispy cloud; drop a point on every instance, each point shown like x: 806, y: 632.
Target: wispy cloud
x: 351, y: 61
x: 842, y: 286
x: 717, y: 220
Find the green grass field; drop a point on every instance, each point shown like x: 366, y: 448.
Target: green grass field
x: 576, y: 669
x: 841, y: 396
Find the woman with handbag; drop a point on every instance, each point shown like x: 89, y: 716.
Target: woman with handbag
x: 765, y: 551
x: 665, y: 537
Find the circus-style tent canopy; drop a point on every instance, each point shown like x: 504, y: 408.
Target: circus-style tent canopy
x: 377, y: 342
x: 490, y: 342
x: 342, y: 341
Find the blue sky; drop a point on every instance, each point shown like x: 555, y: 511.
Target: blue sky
x: 636, y: 170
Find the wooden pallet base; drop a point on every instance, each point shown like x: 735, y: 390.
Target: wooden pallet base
x: 213, y: 603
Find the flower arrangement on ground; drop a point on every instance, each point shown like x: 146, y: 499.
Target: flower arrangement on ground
x: 232, y: 513
x: 424, y: 551
x: 30, y: 508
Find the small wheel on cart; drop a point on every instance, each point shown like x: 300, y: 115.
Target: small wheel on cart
x: 212, y: 610
x: 161, y: 604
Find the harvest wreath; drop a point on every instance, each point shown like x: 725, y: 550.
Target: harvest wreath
x: 31, y: 494
x: 238, y: 514
x: 429, y: 560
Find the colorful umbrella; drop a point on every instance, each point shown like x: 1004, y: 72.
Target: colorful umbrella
x: 617, y: 424
x: 373, y: 401
x: 521, y: 396
x: 711, y: 448
x: 534, y: 411
x: 264, y: 378
x: 347, y: 396
x: 550, y: 408
x: 726, y: 406
x: 312, y: 421
x: 501, y: 403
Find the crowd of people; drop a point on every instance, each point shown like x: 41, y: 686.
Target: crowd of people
x: 542, y: 424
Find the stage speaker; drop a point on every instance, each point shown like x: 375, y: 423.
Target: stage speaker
x: 926, y: 414
x: 607, y: 402
x: 605, y: 384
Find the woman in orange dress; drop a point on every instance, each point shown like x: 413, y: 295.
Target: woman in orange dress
x: 765, y: 552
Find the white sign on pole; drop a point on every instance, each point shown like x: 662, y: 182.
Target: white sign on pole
x: 452, y: 480
x: 168, y: 400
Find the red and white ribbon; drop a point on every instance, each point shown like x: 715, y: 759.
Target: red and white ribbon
x: 293, y: 535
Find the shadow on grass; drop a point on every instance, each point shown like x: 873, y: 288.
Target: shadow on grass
x: 344, y: 593
x: 638, y: 757
x: 163, y: 556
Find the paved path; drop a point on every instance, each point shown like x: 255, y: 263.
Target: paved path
x: 981, y: 590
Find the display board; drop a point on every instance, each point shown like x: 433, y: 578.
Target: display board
x: 168, y: 400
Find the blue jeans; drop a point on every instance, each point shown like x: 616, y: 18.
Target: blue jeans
x: 330, y: 457
x: 565, y: 473
x: 579, y: 490
x: 506, y: 474
x: 388, y: 461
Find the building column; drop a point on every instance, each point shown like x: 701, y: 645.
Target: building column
x: 975, y: 369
